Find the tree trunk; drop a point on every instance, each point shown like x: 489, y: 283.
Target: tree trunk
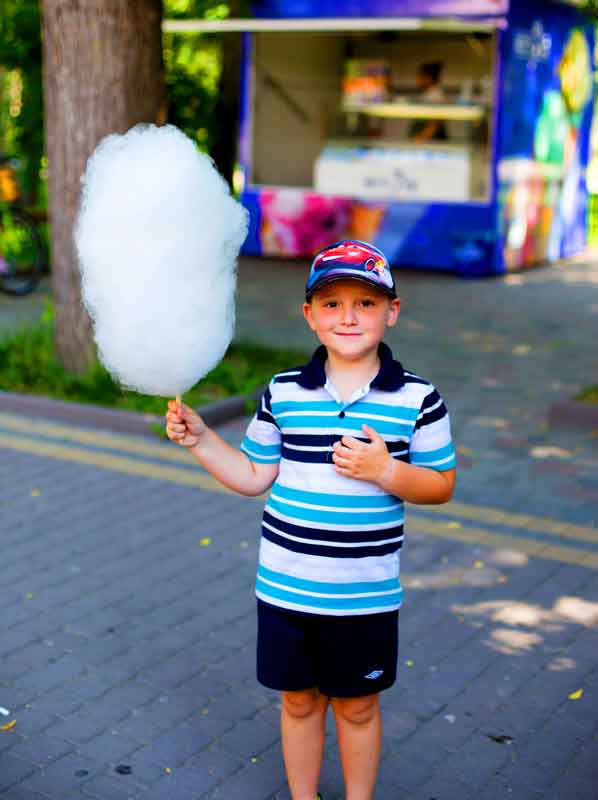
x: 224, y: 151
x: 102, y: 74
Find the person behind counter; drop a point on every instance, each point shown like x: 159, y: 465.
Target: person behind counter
x: 430, y: 91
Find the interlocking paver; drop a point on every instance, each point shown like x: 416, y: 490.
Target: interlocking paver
x: 21, y: 793
x: 41, y: 749
x: 32, y: 722
x: 13, y: 770
x: 62, y: 776
x: 79, y: 727
x: 580, y: 779
x: 254, y: 781
x: 109, y: 746
x: 106, y: 787
x: 250, y: 738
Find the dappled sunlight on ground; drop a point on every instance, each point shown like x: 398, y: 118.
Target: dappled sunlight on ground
x: 498, y: 423
x: 506, y: 619
x: 577, y: 610
x: 512, y: 643
x: 479, y: 575
x: 579, y: 275
x: 511, y: 558
x: 538, y: 621
x: 582, y: 268
x: 550, y: 451
x: 561, y: 663
x: 515, y: 612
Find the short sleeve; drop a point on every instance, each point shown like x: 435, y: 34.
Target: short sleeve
x: 262, y: 442
x: 431, y: 443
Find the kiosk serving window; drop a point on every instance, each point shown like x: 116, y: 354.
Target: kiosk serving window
x: 385, y: 115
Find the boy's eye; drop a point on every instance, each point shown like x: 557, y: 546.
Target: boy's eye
x: 330, y: 304
x: 367, y: 302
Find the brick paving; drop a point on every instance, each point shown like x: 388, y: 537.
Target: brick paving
x: 128, y: 626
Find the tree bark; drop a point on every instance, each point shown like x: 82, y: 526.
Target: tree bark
x: 102, y: 74
x: 224, y: 151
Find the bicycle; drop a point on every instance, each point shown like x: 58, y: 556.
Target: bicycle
x: 21, y: 248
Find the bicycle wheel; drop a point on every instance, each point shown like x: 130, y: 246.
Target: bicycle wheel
x: 21, y: 254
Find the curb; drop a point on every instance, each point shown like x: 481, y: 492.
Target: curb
x: 574, y: 414
x: 114, y: 419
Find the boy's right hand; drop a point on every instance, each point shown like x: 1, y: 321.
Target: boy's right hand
x: 183, y: 425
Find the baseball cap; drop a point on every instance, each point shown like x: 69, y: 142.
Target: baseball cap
x: 350, y: 258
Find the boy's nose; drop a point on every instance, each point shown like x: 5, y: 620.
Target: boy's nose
x: 349, y: 316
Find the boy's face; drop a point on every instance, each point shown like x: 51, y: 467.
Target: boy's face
x: 350, y: 317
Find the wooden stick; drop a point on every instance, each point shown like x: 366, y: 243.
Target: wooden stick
x: 178, y: 400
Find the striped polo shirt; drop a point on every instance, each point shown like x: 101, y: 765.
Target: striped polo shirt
x: 331, y: 544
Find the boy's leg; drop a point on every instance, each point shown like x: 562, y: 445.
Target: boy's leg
x: 302, y: 724
x: 359, y: 735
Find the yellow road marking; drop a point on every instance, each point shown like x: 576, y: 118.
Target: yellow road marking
x: 533, y: 547
x: 526, y: 521
x: 165, y: 451
x: 130, y: 466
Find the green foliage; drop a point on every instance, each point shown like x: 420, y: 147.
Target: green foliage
x: 28, y: 364
x: 591, y: 8
x: 192, y: 65
x: 195, y: 9
x: 21, y: 103
x: 192, y: 74
x: 588, y: 395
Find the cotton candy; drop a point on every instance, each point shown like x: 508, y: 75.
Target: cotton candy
x: 157, y: 238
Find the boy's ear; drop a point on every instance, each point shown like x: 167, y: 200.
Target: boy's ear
x: 308, y: 315
x: 394, y: 310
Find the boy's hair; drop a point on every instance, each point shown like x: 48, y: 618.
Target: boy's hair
x: 432, y: 70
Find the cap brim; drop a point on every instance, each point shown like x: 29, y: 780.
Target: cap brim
x: 387, y: 290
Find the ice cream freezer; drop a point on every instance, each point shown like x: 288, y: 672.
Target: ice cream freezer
x: 390, y: 173
x: 482, y: 172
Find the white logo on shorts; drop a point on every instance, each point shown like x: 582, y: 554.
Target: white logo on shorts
x: 375, y: 674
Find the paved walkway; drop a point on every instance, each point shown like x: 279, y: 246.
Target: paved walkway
x: 127, y: 649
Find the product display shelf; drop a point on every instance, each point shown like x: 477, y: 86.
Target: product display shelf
x: 431, y: 111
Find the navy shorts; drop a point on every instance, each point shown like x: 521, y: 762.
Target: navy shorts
x: 349, y: 656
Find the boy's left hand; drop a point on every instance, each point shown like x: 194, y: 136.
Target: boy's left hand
x: 360, y: 460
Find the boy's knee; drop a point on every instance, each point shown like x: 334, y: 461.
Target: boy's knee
x: 357, y: 710
x: 300, y: 705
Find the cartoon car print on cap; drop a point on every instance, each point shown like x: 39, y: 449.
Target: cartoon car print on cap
x: 351, y: 258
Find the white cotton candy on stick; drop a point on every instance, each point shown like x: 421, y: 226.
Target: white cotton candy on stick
x: 157, y: 236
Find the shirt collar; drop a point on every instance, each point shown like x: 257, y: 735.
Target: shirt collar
x: 390, y: 376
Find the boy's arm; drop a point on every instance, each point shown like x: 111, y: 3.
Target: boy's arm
x: 228, y: 465
x: 372, y: 462
x: 417, y: 484
x: 232, y: 467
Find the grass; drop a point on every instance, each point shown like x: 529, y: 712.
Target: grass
x: 588, y: 395
x: 28, y: 364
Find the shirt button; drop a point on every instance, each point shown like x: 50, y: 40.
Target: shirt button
x: 342, y: 414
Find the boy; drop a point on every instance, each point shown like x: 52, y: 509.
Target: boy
x: 343, y: 441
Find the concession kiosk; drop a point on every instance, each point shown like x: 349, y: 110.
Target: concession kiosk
x: 453, y: 134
